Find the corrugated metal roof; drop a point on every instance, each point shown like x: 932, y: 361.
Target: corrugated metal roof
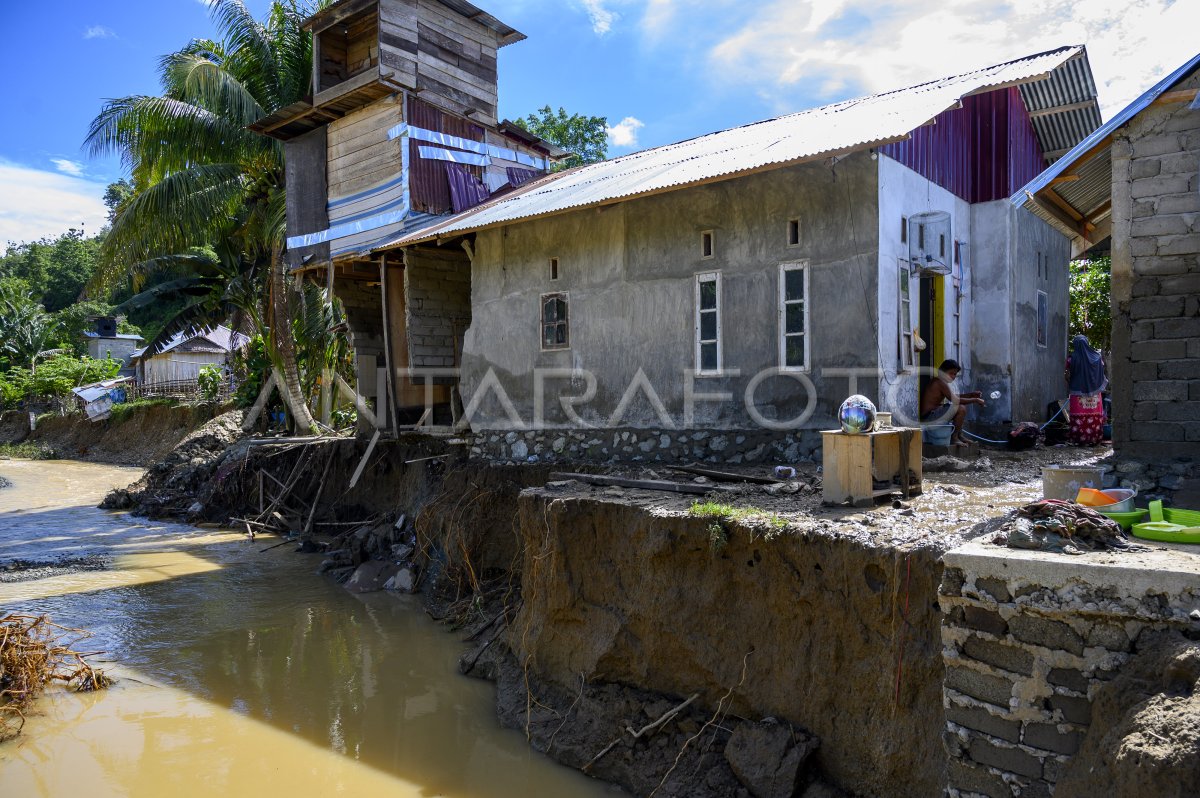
x: 840, y: 127
x: 1094, y: 186
x: 1072, y: 89
x: 219, y: 338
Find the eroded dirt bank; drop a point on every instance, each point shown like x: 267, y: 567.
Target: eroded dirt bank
x: 808, y: 635
x: 834, y: 633
x: 140, y: 437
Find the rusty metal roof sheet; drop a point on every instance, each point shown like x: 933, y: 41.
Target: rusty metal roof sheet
x: 838, y: 128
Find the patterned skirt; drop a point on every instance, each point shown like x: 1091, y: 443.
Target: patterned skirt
x: 1087, y: 419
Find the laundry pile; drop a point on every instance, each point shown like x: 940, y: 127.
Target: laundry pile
x: 1058, y: 526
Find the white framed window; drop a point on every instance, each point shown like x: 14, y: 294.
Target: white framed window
x: 706, y: 245
x: 554, y: 268
x: 555, y: 324
x: 793, y: 317
x: 793, y: 232
x: 1043, y: 318
x: 906, y: 355
x: 708, y: 323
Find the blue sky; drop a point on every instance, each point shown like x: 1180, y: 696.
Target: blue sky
x: 659, y: 70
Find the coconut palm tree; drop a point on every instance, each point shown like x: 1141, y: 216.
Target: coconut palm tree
x: 208, y: 199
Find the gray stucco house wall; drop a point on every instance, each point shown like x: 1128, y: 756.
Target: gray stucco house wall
x: 629, y: 273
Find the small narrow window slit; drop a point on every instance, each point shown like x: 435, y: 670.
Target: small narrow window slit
x: 706, y: 244
x: 793, y: 232
x: 554, y: 268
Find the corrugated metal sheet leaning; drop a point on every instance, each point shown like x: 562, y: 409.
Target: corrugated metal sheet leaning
x: 1093, y: 189
x: 837, y: 128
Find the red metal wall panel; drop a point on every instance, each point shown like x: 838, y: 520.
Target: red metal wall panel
x: 980, y: 152
x: 428, y: 184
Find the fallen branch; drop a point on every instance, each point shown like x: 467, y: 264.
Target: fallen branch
x: 724, y: 476
x: 666, y: 716
x: 643, y: 484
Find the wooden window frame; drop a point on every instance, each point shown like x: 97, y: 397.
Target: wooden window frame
x: 566, y: 323
x: 906, y: 352
x: 703, y: 277
x: 1041, y: 332
x: 784, y: 268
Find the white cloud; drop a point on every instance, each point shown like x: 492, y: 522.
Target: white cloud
x: 65, y: 166
x: 99, y: 32
x: 36, y: 203
x: 838, y: 48
x: 625, y: 132
x: 602, y: 18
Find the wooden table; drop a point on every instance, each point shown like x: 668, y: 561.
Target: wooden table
x: 852, y: 465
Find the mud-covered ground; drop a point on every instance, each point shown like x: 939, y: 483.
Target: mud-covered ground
x: 957, y: 495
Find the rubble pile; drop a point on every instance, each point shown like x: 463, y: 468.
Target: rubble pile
x: 176, y: 486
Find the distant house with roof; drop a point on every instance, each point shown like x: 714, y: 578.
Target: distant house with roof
x: 1134, y: 184
x: 103, y: 341
x: 181, y: 358
x: 794, y: 261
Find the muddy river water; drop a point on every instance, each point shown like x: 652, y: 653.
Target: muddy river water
x: 239, y: 671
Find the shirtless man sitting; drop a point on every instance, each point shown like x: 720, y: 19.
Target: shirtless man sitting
x: 938, y: 394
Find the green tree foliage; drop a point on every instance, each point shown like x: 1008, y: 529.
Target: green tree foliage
x: 1091, y: 303
x: 26, y: 329
x: 115, y: 197
x: 54, y: 378
x: 56, y: 269
x: 203, y: 181
x: 585, y: 136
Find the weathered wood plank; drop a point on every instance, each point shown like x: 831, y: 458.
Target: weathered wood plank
x: 307, y: 191
x: 346, y: 86
x: 468, y: 84
x: 485, y: 110
x: 456, y: 63
x: 436, y: 15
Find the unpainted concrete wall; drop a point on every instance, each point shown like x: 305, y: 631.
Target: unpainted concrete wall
x: 629, y: 271
x: 437, y: 290
x: 1155, y: 367
x: 1037, y: 370
x: 903, y: 194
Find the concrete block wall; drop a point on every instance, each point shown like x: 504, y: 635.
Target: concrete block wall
x: 1027, y: 637
x: 437, y: 290
x: 1156, y: 282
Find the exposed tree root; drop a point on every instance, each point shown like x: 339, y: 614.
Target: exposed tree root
x: 34, y: 652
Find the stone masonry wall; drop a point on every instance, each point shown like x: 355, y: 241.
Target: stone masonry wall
x: 437, y: 290
x: 1027, y: 638
x: 642, y: 445
x: 1156, y: 282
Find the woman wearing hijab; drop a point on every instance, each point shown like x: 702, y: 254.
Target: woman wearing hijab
x: 1085, y: 377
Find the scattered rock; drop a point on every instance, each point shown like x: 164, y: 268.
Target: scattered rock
x: 947, y: 463
x: 767, y: 757
x: 404, y: 581
x: 371, y: 576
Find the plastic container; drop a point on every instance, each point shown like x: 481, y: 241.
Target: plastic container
x: 938, y: 434
x: 1126, y: 519
x: 1124, y: 500
x: 1063, y: 482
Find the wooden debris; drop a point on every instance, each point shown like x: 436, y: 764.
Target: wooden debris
x: 725, y: 476
x: 643, y: 484
x: 666, y: 716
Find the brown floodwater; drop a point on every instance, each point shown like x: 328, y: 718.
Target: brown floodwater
x: 240, y: 672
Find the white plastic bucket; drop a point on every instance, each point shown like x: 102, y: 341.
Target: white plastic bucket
x: 1064, y: 482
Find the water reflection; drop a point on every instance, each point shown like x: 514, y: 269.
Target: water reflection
x: 243, y: 671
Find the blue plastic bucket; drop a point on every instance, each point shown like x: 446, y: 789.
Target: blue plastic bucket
x: 937, y: 434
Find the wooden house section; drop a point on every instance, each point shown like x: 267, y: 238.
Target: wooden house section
x: 360, y: 154
x: 445, y: 49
